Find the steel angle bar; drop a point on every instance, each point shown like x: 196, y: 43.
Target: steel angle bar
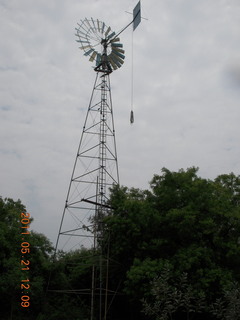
x: 83, y: 181
x: 111, y: 159
x: 89, y: 149
x: 88, y: 157
x: 86, y: 174
x: 67, y: 232
x: 111, y: 134
x: 76, y: 229
x: 96, y: 203
x: 92, y: 126
x: 111, y: 154
x: 81, y: 208
x: 108, y: 173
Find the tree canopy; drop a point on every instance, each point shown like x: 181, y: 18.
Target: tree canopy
x: 185, y: 222
x: 11, y: 273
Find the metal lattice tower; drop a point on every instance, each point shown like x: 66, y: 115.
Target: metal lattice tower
x: 96, y: 167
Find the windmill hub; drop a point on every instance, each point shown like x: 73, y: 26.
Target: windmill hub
x: 104, y: 43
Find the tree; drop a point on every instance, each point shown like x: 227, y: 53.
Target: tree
x: 169, y: 296
x: 190, y: 222
x: 38, y: 251
x: 10, y: 240
x: 69, y: 288
x: 227, y: 307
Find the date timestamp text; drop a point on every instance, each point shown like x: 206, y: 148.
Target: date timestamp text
x: 25, y: 261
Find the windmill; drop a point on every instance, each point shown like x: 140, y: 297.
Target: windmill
x: 95, y: 168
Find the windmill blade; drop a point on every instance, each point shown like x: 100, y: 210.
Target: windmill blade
x: 112, y: 63
x: 85, y: 47
x: 107, y: 32
x: 98, y: 61
x: 81, y: 34
x: 87, y: 53
x: 119, y: 45
x: 83, y: 26
x: 82, y: 41
x: 112, y: 35
x: 118, y: 63
x: 98, y: 24
x: 103, y: 26
x: 88, y: 23
x: 118, y: 54
x: 92, y: 31
x: 116, y: 60
x: 115, y: 40
x: 118, y: 50
x: 93, y: 23
x: 93, y: 56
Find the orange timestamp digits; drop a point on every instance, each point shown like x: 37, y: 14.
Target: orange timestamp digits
x: 25, y: 262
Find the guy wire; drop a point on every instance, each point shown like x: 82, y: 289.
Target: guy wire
x: 132, y: 86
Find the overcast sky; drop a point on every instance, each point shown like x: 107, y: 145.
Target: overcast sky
x: 186, y: 94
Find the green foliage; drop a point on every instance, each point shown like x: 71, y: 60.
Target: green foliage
x: 10, y: 240
x: 70, y: 285
x: 190, y: 222
x: 11, y: 274
x: 172, y: 296
x: 227, y: 307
